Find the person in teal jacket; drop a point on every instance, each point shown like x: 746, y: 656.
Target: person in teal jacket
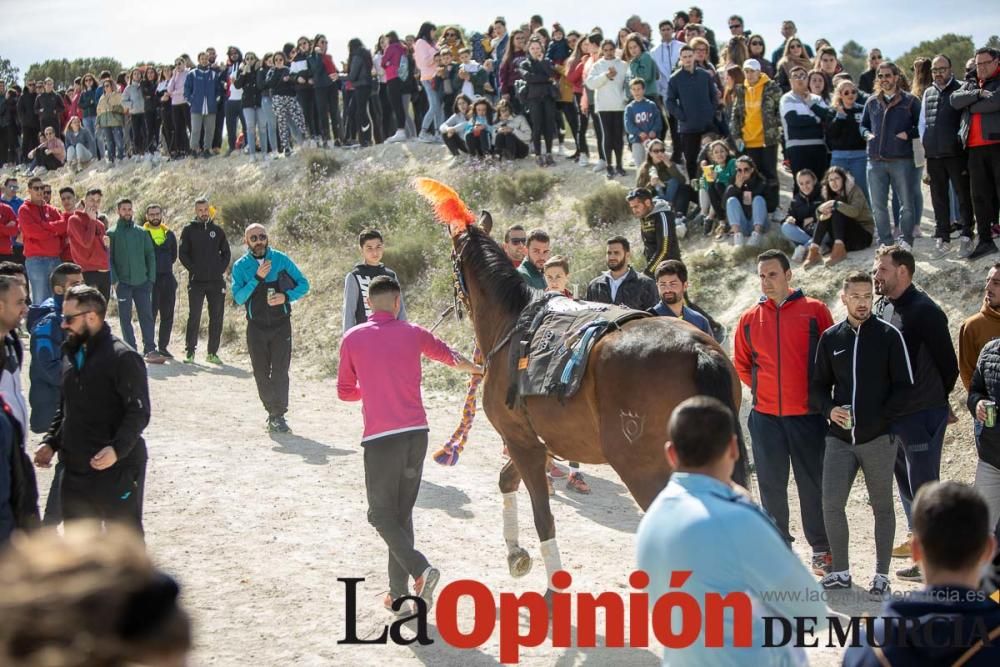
x: 133, y: 271
x: 266, y: 282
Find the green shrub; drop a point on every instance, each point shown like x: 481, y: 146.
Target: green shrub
x: 409, y: 256
x: 320, y: 164
x: 305, y: 221
x: 238, y: 211
x: 604, y: 206
x: 524, y: 187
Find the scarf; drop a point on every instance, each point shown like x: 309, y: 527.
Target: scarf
x: 158, y: 232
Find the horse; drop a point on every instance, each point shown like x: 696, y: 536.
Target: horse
x: 634, y: 378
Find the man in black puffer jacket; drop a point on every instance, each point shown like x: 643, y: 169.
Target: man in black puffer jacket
x: 986, y: 387
x: 205, y: 253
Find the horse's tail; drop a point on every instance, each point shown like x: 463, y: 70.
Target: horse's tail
x: 713, y: 378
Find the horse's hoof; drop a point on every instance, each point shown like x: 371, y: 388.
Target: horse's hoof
x: 519, y: 562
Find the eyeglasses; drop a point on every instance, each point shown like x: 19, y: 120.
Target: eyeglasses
x: 68, y: 319
x: 518, y: 240
x: 938, y: 70
x: 258, y: 237
x: 985, y: 62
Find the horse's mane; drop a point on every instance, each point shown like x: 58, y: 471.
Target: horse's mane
x: 494, y: 272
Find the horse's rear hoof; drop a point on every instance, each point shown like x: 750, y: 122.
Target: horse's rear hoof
x: 519, y: 562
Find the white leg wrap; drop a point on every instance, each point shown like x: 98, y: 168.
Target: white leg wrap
x: 550, y: 554
x: 510, y: 519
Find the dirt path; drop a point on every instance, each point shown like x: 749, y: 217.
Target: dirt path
x: 258, y: 528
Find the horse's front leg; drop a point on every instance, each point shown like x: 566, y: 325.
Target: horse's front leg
x: 518, y: 559
x: 531, y: 462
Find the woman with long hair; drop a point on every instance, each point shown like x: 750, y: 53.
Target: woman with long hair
x: 734, y: 77
x: 246, y: 80
x: 89, y: 96
x: 621, y: 43
x: 794, y: 56
x: 268, y: 119
x: 641, y: 65
x: 179, y: 109
x: 844, y: 215
x: 424, y: 50
x: 164, y: 110
x: 510, y: 72
x: 135, y: 109
x: 735, y: 52
x: 81, y: 147
x: 588, y: 106
x: 608, y: 79
x: 512, y: 133
x: 110, y: 121
x: 538, y: 74
x: 746, y: 207
x: 383, y: 118
x: 843, y: 134
x: 287, y: 111
x: 304, y: 92
x: 359, y: 75
x: 393, y: 60
x: 479, y: 133
x: 574, y: 76
x: 453, y: 129
x: 819, y: 85
x: 452, y: 40
x: 326, y: 88
x: 757, y: 50
x: 150, y: 83
x: 665, y: 178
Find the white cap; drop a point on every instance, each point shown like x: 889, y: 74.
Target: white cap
x: 751, y: 63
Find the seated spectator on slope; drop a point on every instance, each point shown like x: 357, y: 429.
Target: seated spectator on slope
x: 665, y: 179
x: 800, y: 224
x: 746, y: 208
x: 479, y: 130
x: 512, y: 133
x: 844, y: 215
x: 50, y: 153
x: 453, y: 129
x: 716, y: 177
x: 81, y: 146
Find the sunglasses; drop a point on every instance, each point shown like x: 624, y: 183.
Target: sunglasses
x: 884, y: 76
x: 68, y: 319
x: 518, y: 240
x: 257, y: 237
x: 849, y: 92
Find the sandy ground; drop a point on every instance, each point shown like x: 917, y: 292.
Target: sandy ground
x: 259, y: 527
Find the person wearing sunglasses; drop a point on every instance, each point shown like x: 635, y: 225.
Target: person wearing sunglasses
x: 43, y: 230
x: 755, y: 122
x: 165, y: 284
x: 843, y: 135
x: 866, y: 82
x: 980, y: 132
x: 788, y: 33
x: 265, y: 282
x: 802, y: 117
x: 746, y: 206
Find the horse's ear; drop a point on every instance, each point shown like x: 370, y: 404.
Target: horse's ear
x: 486, y: 222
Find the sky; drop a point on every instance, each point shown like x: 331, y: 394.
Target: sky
x: 139, y: 31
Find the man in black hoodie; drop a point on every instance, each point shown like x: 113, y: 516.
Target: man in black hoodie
x: 165, y: 285
x: 918, y: 428
x: 951, y: 621
x: 205, y: 253
x: 862, y: 373
x: 98, y: 428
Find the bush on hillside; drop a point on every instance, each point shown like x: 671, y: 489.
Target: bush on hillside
x: 305, y: 221
x: 524, y: 187
x: 410, y: 255
x: 238, y: 211
x: 604, y: 206
x: 320, y: 164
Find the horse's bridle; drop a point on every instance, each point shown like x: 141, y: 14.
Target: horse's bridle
x: 461, y: 295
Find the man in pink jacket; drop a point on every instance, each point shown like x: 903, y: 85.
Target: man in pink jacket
x: 380, y: 366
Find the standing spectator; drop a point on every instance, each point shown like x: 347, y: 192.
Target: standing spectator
x: 90, y: 94
x: 621, y: 284
x: 268, y: 121
x: 424, y: 50
x: 43, y: 229
x: 205, y: 253
x: 691, y: 100
x: 953, y: 542
x: 643, y: 121
x: 843, y: 135
x: 667, y: 56
x: 919, y: 426
x: 984, y: 387
x: 802, y: 119
x: 288, y: 114
x: 746, y: 208
x: 327, y: 88
x: 133, y: 271
x: 889, y: 125
x: 980, y: 133
x: 234, y: 100
x: 380, y: 366
x: 856, y: 391
x: 533, y: 264
x: 246, y: 82
x: 165, y: 285
x: 658, y: 228
x: 44, y: 323
x: 697, y: 18
x: 607, y: 78
x: 135, y: 110
x: 756, y: 124
x: 81, y: 147
x: 757, y: 51
x: 980, y: 328
x: 8, y: 126
x: 49, y: 106
x: 866, y: 82
x: 800, y: 224
x: 179, y: 110
x: 266, y: 282
x: 776, y: 362
x: 201, y: 91
x: 947, y: 160
x: 111, y: 121
x: 641, y: 65
x: 682, y: 530
x: 671, y: 284
x: 360, y: 77
x: 395, y: 62
x: 98, y: 428
x: 9, y: 194
x: 27, y: 119
x: 539, y: 74
x: 357, y: 308
x: 151, y: 99
x: 843, y: 219
x: 794, y: 56
x: 88, y: 242
x: 9, y: 231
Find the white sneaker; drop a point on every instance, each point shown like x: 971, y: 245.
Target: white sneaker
x: 754, y: 239
x: 426, y: 138
x: 965, y: 247
x: 800, y: 253
x: 600, y: 166
x: 941, y: 247
x: 680, y: 225
x: 399, y: 137
x: 738, y: 239
x: 777, y: 216
x: 904, y: 245
x: 582, y: 160
x: 561, y: 150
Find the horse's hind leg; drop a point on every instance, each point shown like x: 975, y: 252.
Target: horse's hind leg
x: 518, y: 560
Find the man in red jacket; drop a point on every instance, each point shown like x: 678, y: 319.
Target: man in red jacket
x: 8, y: 231
x: 43, y: 229
x: 774, y: 352
x: 88, y: 243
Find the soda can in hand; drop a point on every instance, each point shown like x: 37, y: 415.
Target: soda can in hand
x: 991, y: 414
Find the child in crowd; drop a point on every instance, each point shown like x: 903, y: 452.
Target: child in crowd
x: 801, y: 221
x: 479, y: 129
x: 558, y: 50
x: 448, y: 79
x: 556, y: 273
x: 643, y: 121
x: 474, y: 76
x: 512, y: 133
x: 453, y: 130
x: 716, y: 177
x: 357, y: 309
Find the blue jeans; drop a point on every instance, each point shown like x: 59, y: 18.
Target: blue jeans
x: 114, y: 142
x: 142, y: 296
x: 854, y: 163
x: 795, y: 234
x: 269, y: 125
x: 253, y: 123
x: 898, y: 174
x: 434, y: 118
x: 916, y: 179
x: 90, y: 122
x: 736, y: 216
x: 39, y: 270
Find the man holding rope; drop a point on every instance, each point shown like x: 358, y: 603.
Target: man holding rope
x: 380, y: 366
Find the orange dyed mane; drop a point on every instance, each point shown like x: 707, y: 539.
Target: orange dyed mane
x: 449, y: 209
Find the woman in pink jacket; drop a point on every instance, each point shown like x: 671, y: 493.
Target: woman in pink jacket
x: 179, y: 109
x: 424, y: 50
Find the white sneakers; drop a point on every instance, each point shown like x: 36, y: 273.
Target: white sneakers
x: 799, y: 254
x: 399, y: 137
x: 600, y: 166
x: 965, y: 247
x: 426, y: 138
x: 583, y: 160
x: 904, y: 245
x: 680, y: 225
x: 754, y: 239
x: 941, y: 247
x: 738, y: 239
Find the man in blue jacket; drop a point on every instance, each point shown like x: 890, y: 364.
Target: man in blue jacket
x: 266, y: 281
x: 692, y: 97
x: 44, y: 321
x: 643, y: 121
x: 890, y: 124
x: 202, y: 89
